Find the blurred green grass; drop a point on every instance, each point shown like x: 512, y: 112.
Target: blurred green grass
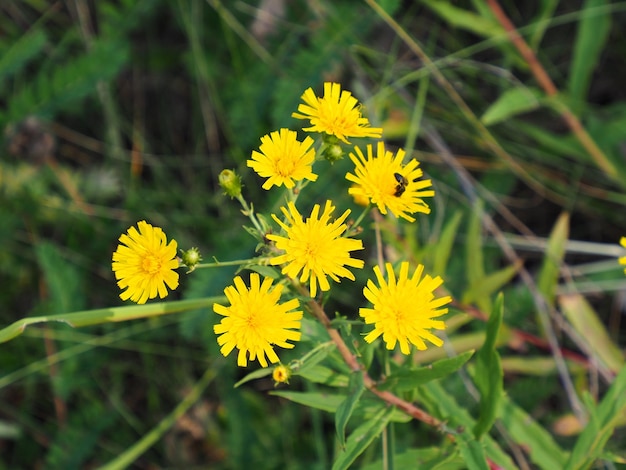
x: 118, y: 111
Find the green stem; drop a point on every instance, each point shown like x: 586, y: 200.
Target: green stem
x: 220, y: 264
x: 249, y: 211
x: 388, y: 440
x: 365, y: 211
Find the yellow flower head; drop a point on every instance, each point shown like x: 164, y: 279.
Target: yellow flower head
x: 384, y: 181
x: 403, y: 309
x: 283, y: 159
x: 622, y: 260
x: 281, y: 374
x: 144, y: 263
x: 338, y: 113
x: 315, y: 247
x: 255, y: 321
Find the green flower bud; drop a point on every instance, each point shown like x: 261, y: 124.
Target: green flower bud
x: 333, y: 152
x: 191, y: 258
x: 230, y: 183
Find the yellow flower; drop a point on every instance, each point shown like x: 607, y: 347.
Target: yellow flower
x: 388, y: 184
x: 144, y: 263
x: 255, y: 321
x: 338, y: 113
x: 315, y: 247
x: 403, y: 310
x: 281, y: 374
x: 283, y: 159
x: 359, y: 198
x: 622, y: 260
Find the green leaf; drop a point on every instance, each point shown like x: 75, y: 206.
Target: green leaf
x: 408, y: 379
x: 474, y: 246
x: 481, y: 291
x: 266, y: 271
x: 324, y: 375
x: 257, y: 374
x: 313, y: 357
x: 427, y: 458
x: 599, y: 429
x: 586, y: 322
x: 20, y: 52
x: 347, y: 407
x: 443, y: 405
x: 555, y: 251
x: 489, y: 376
x: 362, y: 437
x: 443, y: 247
x: 593, y: 32
x: 526, y: 432
x: 467, y: 20
x: 109, y: 315
x: 472, y: 452
x: 67, y: 83
x: 318, y: 400
x: 329, y: 402
x: 511, y: 103
x: 64, y: 281
x: 541, y: 22
x: 537, y: 365
x: 558, y: 144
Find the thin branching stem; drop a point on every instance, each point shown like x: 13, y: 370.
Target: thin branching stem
x: 353, y: 363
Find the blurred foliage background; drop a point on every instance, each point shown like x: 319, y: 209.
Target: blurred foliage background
x: 118, y: 111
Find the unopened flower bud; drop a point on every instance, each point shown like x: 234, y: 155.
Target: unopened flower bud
x: 230, y: 183
x: 333, y: 152
x: 191, y: 258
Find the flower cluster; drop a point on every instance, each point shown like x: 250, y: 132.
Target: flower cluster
x: 311, y: 250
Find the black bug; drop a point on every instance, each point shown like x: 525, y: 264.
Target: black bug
x: 401, y: 186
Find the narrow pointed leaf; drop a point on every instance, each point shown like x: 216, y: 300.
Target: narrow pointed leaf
x: 408, y: 379
x: 472, y: 452
x: 482, y: 290
x: 593, y: 32
x: 443, y: 248
x: 489, y: 374
x: 108, y: 315
x: 324, y: 375
x: 362, y: 437
x: 314, y: 357
x: 549, y: 274
x: 586, y: 322
x: 602, y: 422
x: 347, y: 407
x: 443, y: 405
x: 474, y: 246
x: 511, y: 103
x: 257, y: 374
x: 526, y: 432
x: 20, y: 52
x: 465, y: 19
x: 330, y: 402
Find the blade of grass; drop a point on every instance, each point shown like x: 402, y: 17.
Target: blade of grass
x: 108, y: 315
x: 131, y: 454
x: 591, y: 38
x: 585, y: 320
